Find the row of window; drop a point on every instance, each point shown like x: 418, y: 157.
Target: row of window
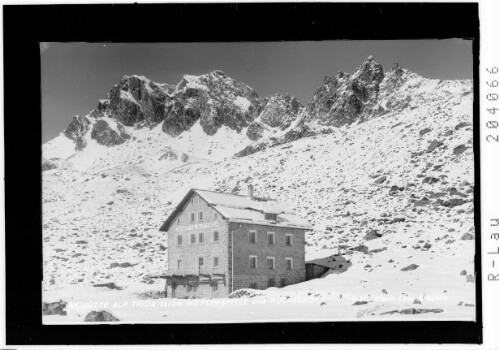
x: 199, y: 216
x: 252, y: 260
x: 271, y: 238
x: 198, y: 238
x: 215, y: 237
x: 215, y: 262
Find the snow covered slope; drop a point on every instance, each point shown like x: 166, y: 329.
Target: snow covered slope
x: 389, y: 188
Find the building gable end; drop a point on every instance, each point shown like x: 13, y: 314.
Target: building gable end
x: 179, y: 209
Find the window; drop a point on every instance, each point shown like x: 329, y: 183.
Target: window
x: 191, y: 201
x: 289, y: 263
x: 252, y: 236
x: 179, y: 240
x: 216, y: 261
x: 201, y: 237
x: 200, y: 216
x: 178, y: 221
x: 253, y: 285
x: 216, y: 236
x: 191, y: 288
x: 252, y: 261
x: 192, y: 217
x: 200, y: 264
x: 193, y: 238
x: 272, y: 217
x: 289, y: 239
x: 271, y: 262
x: 215, y: 216
x: 271, y: 282
x: 179, y: 264
x: 214, y: 286
x: 270, y: 237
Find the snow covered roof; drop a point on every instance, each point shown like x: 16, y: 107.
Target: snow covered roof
x: 244, y: 209
x: 332, y: 262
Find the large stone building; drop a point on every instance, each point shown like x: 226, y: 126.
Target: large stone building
x: 220, y: 242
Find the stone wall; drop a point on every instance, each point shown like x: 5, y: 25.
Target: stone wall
x: 246, y: 277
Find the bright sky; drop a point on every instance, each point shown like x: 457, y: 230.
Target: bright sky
x: 76, y: 75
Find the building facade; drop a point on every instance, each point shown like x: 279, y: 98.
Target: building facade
x: 219, y: 243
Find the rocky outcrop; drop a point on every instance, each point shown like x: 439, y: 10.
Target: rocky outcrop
x: 48, y: 164
x: 100, y: 316
x: 300, y: 130
x: 56, y: 308
x: 410, y: 267
x: 76, y: 131
x: 255, y: 131
x: 250, y: 150
x: 136, y: 99
x: 106, y: 135
x: 123, y: 107
x: 344, y: 99
x: 181, y: 117
x: 277, y: 112
x: 213, y: 99
x: 280, y: 111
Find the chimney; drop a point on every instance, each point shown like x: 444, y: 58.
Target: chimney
x: 250, y: 190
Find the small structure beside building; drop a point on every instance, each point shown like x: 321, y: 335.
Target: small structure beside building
x: 320, y: 267
x: 221, y: 242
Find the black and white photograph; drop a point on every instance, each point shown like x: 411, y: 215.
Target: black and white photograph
x: 290, y: 175
x: 258, y: 182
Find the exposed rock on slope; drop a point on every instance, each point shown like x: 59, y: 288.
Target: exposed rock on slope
x: 346, y: 98
x: 48, y: 165
x: 277, y: 112
x: 76, y: 131
x: 106, y: 135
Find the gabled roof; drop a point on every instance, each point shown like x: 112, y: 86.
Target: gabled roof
x: 243, y: 209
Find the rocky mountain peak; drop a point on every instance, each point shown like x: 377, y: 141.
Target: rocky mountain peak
x: 214, y: 100
x: 369, y: 72
x: 76, y: 131
x: 218, y: 73
x: 280, y: 111
x: 342, y: 99
x: 277, y: 112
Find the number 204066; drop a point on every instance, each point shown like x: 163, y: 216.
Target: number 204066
x: 492, y: 97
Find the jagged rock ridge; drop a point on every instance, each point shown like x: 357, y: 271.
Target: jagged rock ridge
x: 215, y: 104
x: 345, y: 98
x: 216, y: 100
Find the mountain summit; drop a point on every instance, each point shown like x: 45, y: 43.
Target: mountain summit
x: 213, y: 116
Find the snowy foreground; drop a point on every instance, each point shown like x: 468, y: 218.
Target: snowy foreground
x: 331, y: 298
x: 103, y: 206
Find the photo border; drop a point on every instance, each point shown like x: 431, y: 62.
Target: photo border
x: 27, y: 25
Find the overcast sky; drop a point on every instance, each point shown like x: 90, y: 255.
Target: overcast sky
x: 76, y: 75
